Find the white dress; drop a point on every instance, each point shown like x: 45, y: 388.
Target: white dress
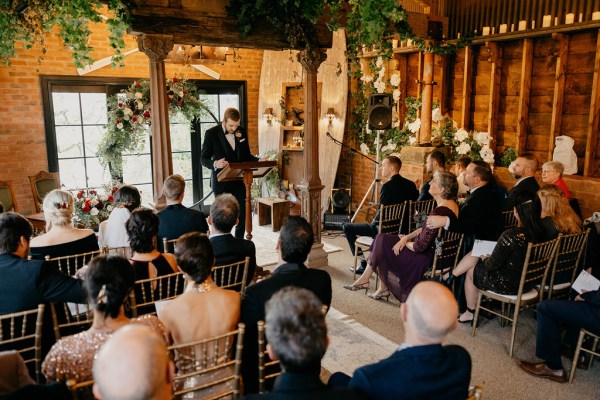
x: 112, y: 232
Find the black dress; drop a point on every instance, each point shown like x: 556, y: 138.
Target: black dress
x: 83, y: 245
x: 143, y: 295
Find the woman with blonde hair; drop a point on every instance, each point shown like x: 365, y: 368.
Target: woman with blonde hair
x: 61, y: 237
x: 556, y: 209
x: 552, y: 172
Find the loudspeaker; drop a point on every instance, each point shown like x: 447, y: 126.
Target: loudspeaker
x: 380, y: 111
x: 435, y: 30
x: 340, y: 200
x: 334, y: 222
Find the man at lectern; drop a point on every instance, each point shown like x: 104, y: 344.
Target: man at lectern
x: 223, y: 144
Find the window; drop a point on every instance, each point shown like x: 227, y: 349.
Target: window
x: 75, y: 114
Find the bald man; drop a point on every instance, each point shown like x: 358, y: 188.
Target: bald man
x: 133, y: 365
x: 421, y: 368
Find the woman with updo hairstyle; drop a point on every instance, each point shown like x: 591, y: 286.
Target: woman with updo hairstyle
x: 142, y: 231
x: 109, y: 280
x: 61, y: 237
x: 112, y: 231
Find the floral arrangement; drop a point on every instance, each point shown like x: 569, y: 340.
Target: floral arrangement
x: 130, y: 112
x: 90, y: 208
x: 475, y: 145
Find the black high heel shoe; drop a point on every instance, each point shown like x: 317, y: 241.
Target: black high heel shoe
x: 354, y: 287
x: 448, y: 282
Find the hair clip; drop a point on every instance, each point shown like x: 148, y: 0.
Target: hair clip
x: 62, y: 205
x: 102, y: 298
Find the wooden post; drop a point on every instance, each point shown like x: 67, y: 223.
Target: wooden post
x: 156, y: 47
x: 495, y: 58
x: 427, y: 99
x: 465, y: 118
x: 442, y: 65
x: 523, y: 114
x: 311, y: 185
x: 594, y: 116
x: 562, y: 43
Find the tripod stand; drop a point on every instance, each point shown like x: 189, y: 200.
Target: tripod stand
x: 376, y: 180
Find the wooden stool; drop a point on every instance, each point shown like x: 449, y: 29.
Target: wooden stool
x: 272, y: 210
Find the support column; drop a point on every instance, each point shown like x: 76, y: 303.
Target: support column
x: 311, y: 186
x: 427, y: 99
x: 156, y: 47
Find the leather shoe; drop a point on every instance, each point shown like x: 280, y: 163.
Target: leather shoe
x: 541, y: 370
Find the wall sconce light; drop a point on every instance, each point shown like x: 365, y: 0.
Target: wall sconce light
x: 330, y: 115
x: 268, y: 115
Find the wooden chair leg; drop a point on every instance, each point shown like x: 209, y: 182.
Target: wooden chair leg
x: 355, y: 261
x: 476, y: 316
x: 576, y: 356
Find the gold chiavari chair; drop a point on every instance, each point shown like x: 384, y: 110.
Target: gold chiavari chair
x: 148, y: 291
x: 447, y: 252
x: 566, y: 263
x: 70, y: 318
x: 73, y: 263
x: 593, y: 351
x: 168, y: 244
x: 81, y: 390
x: 267, y: 369
x: 535, y: 272
x: 422, y: 207
x: 232, y: 276
x: 209, y: 368
x: 122, y: 251
x: 22, y: 331
x: 508, y: 220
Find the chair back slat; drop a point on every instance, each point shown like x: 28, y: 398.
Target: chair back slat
x: 148, y: 291
x: 508, y: 219
x: 447, y: 255
x: 210, y: 366
x: 264, y: 361
x: 70, y: 264
x: 122, y: 251
x: 390, y: 218
x: 22, y: 331
x: 168, y: 244
x: 536, y: 265
x: 566, y: 261
x: 232, y: 276
x: 415, y: 208
x: 70, y: 318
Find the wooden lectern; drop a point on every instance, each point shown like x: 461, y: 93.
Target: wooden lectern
x: 246, y: 171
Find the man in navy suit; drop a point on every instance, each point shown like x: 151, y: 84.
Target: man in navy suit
x: 176, y: 219
x: 421, y: 368
x: 227, y: 248
x: 524, y: 169
x: 223, y: 144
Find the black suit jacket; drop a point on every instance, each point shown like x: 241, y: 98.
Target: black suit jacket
x: 480, y: 215
x: 215, y: 147
x: 229, y: 249
x: 420, y: 372
x: 397, y: 190
x: 527, y: 186
x: 253, y: 308
x: 25, y: 284
x: 293, y: 386
x: 177, y: 219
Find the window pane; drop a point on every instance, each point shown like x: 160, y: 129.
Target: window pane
x: 72, y: 173
x: 206, y: 190
x: 180, y: 137
x: 229, y: 100
x: 96, y: 173
x: 93, y: 108
x: 188, y: 197
x: 182, y: 164
x: 66, y: 108
x: 146, y: 192
x: 137, y: 169
x: 178, y: 118
x: 69, y: 141
x: 212, y: 102
x: 93, y: 135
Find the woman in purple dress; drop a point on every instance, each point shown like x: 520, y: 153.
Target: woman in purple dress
x: 401, y: 260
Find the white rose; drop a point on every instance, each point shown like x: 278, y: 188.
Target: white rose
x: 483, y: 138
x: 415, y: 126
x: 412, y: 140
x: 436, y: 115
x: 366, y: 78
x: 464, y: 148
x: 138, y: 95
x: 379, y: 62
x: 487, y: 154
x: 140, y: 105
x: 93, y: 202
x: 461, y: 135
x: 181, y: 94
x: 395, y: 124
x: 395, y: 80
x: 380, y: 86
x: 126, y: 117
x: 128, y: 111
x: 381, y: 73
x: 109, y: 208
x: 120, y: 125
x: 94, y: 211
x: 364, y: 149
x: 396, y: 95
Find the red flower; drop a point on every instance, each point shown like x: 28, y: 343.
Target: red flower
x: 100, y: 204
x: 114, y: 188
x: 120, y: 105
x: 93, y: 192
x: 147, y: 114
x: 175, y: 79
x: 133, y: 119
x: 118, y: 121
x: 111, y: 199
x: 180, y: 102
x: 80, y: 194
x: 136, y: 84
x: 86, y: 208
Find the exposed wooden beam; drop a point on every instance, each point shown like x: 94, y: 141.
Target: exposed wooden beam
x: 443, y: 84
x: 465, y: 118
x: 523, y: 114
x: 594, y: 117
x: 495, y: 58
x: 562, y: 50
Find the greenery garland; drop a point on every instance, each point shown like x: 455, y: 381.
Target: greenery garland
x: 129, y: 117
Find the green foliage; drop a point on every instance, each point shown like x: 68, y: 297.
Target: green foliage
x: 509, y: 155
x: 29, y: 20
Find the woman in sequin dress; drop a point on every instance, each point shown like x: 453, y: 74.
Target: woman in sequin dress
x: 109, y: 279
x: 220, y: 312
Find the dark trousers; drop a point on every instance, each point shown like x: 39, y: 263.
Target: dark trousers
x: 551, y: 314
x: 353, y: 230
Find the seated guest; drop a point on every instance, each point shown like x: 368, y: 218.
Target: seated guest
x: 176, y: 219
x: 557, y: 214
x: 108, y: 281
x: 25, y: 284
x: 142, y: 230
x: 524, y: 170
x: 112, y: 231
x: 552, y: 172
x: 459, y: 170
x: 295, y: 241
x: 436, y: 161
x: 552, y: 315
x: 297, y: 334
x: 61, y: 237
x: 227, y: 248
x: 421, y: 368
x: 407, y: 257
x: 133, y: 364
x: 396, y: 190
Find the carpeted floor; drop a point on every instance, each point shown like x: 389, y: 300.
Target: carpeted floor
x: 363, y: 331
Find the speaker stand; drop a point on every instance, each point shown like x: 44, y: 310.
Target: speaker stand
x: 376, y: 180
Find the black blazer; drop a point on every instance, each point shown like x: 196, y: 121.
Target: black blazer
x: 177, y: 219
x: 528, y: 185
x: 25, y: 284
x: 420, y: 372
x: 294, y: 386
x: 253, y: 308
x: 215, y: 147
x: 229, y: 249
x: 480, y: 215
x: 397, y: 190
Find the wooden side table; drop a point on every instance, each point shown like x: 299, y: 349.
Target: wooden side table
x: 272, y: 210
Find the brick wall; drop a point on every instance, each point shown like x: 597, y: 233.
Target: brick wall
x: 22, y: 134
